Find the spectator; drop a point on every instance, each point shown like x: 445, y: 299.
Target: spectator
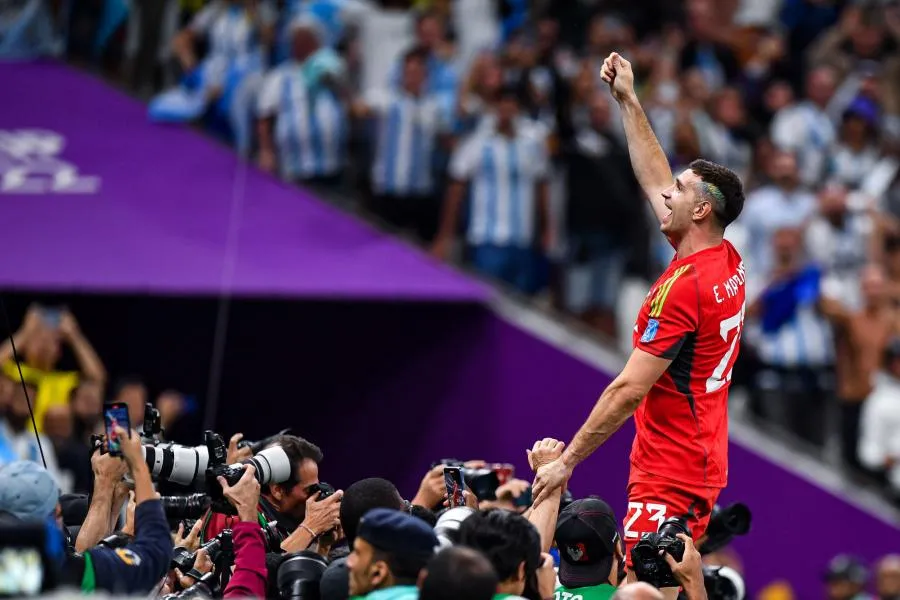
x: 508, y: 167
x: 459, y: 573
x: 601, y: 235
x: 172, y: 407
x: 430, y: 36
x: 846, y: 579
x: 841, y: 242
x: 18, y: 437
x: 725, y: 137
x: 805, y: 127
x: 887, y: 577
x: 239, y: 34
x: 857, y: 154
x: 300, y: 102
x: 410, y: 126
x: 704, y: 50
x: 510, y: 542
x: 131, y: 391
x: 72, y: 455
x: 39, y: 341
x: 389, y: 554
x: 782, y: 203
x: 479, y: 91
x: 862, y: 337
x: 590, y: 550
x: 359, y: 499
x: 879, y: 436
x: 87, y: 410
x: 793, y: 343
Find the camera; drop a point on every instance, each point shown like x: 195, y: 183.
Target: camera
x: 178, y: 508
x: 323, y: 489
x: 272, y: 537
x: 649, y: 566
x: 218, y: 548
x: 272, y: 466
x: 116, y: 540
x: 208, y: 586
x: 482, y: 482
x: 724, y: 525
x: 299, y: 575
x: 723, y: 583
x: 152, y: 425
x: 185, y: 465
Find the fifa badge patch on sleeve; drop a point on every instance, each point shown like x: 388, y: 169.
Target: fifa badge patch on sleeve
x: 650, y: 331
x: 128, y: 557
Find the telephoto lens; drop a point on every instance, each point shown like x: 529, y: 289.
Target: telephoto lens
x: 216, y: 548
x: 178, y: 508
x: 299, y: 575
x: 723, y: 583
x: 207, y: 586
x: 447, y: 527
x: 272, y: 537
x: 116, y: 540
x: 183, y: 465
x: 724, y: 525
x: 272, y: 466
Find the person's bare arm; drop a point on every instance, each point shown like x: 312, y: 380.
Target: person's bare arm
x: 108, y: 472
x: 267, y: 156
x: 544, y: 517
x: 618, y: 402
x: 651, y: 167
x: 30, y: 324
x: 89, y: 362
x: 183, y: 48
x: 449, y: 219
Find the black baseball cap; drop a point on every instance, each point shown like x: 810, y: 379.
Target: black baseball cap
x: 846, y: 568
x: 587, y: 535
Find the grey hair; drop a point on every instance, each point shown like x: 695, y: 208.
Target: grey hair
x: 711, y: 192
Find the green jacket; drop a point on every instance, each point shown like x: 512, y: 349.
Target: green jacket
x: 591, y: 592
x: 398, y: 592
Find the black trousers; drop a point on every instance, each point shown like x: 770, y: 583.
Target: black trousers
x: 419, y: 214
x: 795, y: 399
x: 851, y: 413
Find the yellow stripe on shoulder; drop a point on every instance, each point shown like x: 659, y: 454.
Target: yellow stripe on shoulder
x: 662, y: 292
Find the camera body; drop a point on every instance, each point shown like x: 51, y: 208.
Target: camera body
x: 483, y: 482
x: 152, y: 425
x: 208, y: 586
x: 272, y: 466
x: 299, y: 574
x: 219, y: 548
x: 649, y: 565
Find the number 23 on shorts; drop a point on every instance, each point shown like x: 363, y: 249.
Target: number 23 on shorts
x: 643, y: 518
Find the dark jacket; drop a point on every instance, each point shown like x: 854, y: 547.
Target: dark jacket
x: 135, y: 569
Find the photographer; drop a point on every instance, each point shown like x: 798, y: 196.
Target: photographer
x: 292, y: 503
x: 688, y: 572
x: 110, y: 493
x: 249, y: 577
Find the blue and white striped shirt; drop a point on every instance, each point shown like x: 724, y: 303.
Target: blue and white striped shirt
x: 407, y: 131
x: 310, y: 123
x: 504, y: 173
x: 804, y: 341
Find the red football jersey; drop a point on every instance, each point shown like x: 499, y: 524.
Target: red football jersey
x: 694, y: 315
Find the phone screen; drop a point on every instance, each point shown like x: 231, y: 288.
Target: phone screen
x: 453, y: 479
x: 115, y: 414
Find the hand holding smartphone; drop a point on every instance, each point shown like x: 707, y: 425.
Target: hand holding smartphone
x: 115, y: 414
x: 453, y: 480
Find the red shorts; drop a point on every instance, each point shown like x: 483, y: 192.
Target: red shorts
x: 653, y: 499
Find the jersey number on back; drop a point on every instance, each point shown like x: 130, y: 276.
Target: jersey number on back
x: 719, y: 377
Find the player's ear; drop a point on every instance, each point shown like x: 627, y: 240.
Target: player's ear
x: 702, y: 209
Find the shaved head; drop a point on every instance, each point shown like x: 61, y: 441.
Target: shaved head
x: 638, y: 591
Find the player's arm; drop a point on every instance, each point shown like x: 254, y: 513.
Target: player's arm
x: 617, y: 402
x: 651, y: 167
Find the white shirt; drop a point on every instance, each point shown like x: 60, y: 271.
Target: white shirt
x: 310, y: 123
x: 879, y: 432
x: 232, y: 34
x: 504, y: 173
x: 806, y: 129
x: 842, y: 253
x: 766, y: 210
x: 408, y: 128
x: 851, y: 168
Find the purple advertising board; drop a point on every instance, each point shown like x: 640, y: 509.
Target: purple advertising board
x: 99, y: 198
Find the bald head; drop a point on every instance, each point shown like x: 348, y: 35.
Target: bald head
x: 638, y: 591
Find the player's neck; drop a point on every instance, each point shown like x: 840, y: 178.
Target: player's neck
x: 695, y: 241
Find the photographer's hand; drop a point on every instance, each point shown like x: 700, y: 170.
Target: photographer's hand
x: 203, y: 564
x: 320, y: 517
x: 688, y: 572
x: 244, y: 495
x: 129, y: 515
x: 432, y: 489
x: 192, y: 541
x: 133, y: 454
x: 544, y: 452
x: 235, y: 454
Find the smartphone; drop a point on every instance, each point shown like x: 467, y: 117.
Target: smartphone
x: 51, y: 316
x: 115, y: 413
x: 453, y: 479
